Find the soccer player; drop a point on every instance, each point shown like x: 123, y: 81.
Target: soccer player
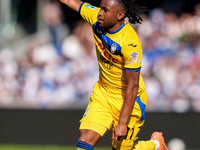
x: 119, y: 99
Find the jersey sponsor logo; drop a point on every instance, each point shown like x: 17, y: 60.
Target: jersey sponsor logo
x: 134, y: 55
x: 106, y: 54
x: 101, y: 46
x: 106, y: 63
x: 113, y: 48
x: 132, y: 45
x: 92, y: 7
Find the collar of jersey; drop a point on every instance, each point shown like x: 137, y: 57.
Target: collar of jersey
x: 112, y: 32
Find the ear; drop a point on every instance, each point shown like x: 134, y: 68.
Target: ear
x: 121, y: 15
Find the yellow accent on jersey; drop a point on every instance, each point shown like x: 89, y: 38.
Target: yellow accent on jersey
x: 116, y: 51
x: 104, y: 111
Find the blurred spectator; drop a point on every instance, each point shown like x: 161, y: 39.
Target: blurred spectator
x: 54, y: 17
x: 44, y: 78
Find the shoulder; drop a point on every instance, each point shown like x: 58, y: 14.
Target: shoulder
x: 131, y: 42
x: 129, y: 32
x: 130, y: 37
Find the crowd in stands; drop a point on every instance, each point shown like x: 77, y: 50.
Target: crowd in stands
x: 61, y: 71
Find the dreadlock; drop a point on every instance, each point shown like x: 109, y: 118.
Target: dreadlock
x: 133, y: 11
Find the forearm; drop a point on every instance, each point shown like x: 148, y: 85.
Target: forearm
x: 129, y: 101
x: 73, y: 4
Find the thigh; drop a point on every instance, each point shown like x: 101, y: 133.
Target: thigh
x: 97, y: 116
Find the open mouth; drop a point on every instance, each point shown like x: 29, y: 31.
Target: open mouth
x: 100, y: 20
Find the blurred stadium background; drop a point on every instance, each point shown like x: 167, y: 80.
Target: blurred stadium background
x: 48, y: 69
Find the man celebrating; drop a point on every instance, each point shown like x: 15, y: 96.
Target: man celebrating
x: 119, y: 99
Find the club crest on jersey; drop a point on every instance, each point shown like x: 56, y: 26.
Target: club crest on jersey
x: 134, y: 55
x: 113, y: 48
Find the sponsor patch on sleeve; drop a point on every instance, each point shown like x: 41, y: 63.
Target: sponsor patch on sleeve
x: 134, y: 55
x: 133, y: 61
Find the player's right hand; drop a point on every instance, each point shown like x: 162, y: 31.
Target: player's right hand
x: 119, y: 132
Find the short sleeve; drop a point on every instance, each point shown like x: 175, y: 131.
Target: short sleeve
x: 89, y: 12
x: 132, y: 54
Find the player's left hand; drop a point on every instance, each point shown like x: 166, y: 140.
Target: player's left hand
x: 119, y: 132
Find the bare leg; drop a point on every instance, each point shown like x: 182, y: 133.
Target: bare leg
x: 89, y: 136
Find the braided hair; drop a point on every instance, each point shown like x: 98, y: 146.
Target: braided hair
x: 133, y: 10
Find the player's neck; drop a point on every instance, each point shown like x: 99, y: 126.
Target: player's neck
x: 116, y: 26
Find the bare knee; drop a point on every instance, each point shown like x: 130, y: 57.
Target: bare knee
x: 89, y: 136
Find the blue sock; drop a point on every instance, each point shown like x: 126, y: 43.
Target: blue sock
x: 83, y: 145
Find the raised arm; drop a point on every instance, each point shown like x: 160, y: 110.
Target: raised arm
x: 73, y: 4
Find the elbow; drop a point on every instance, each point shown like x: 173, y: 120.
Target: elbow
x: 134, y: 86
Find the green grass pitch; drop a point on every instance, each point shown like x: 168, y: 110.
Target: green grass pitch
x: 49, y: 147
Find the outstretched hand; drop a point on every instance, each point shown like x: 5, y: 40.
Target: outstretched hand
x: 63, y: 1
x: 119, y: 132
x: 73, y: 4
